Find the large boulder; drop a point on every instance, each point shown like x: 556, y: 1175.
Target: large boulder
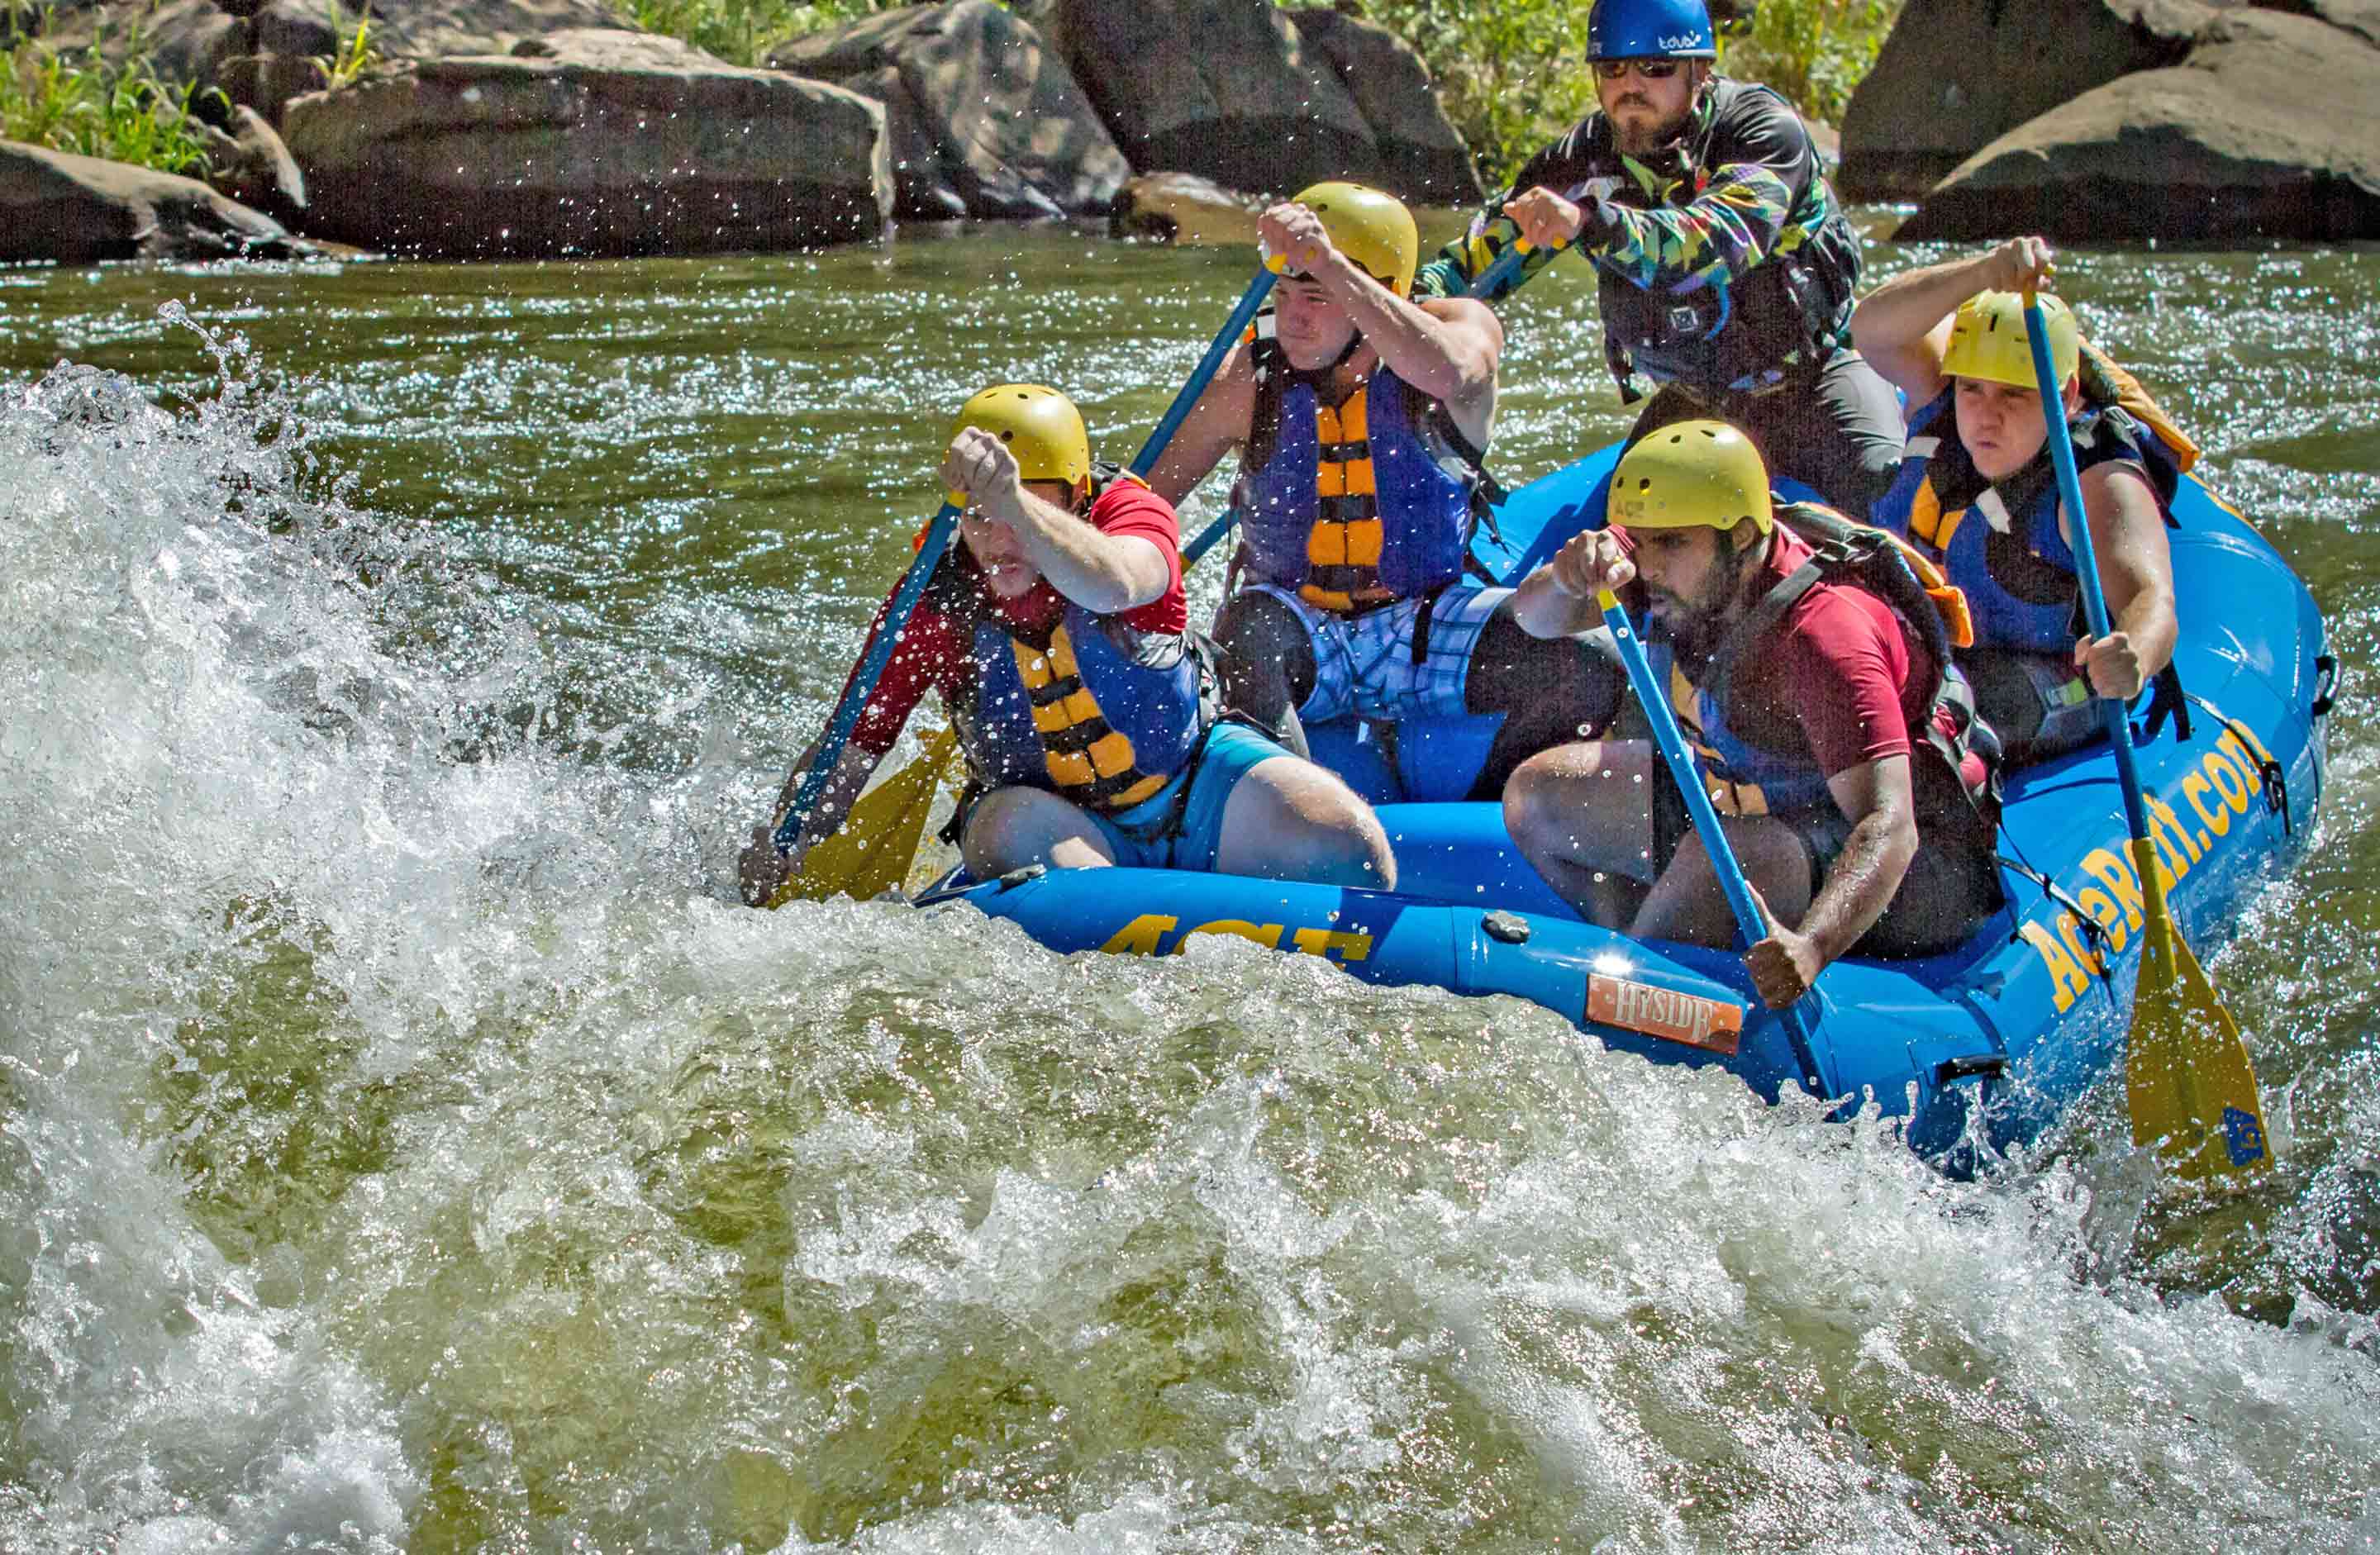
x: 1225, y: 89
x: 2270, y: 129
x: 1422, y: 156
x: 1956, y: 75
x: 79, y: 210
x: 984, y: 120
x: 609, y: 142
x: 1185, y: 209
x: 430, y: 28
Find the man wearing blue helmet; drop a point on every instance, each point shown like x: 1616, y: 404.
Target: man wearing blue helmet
x: 1726, y: 265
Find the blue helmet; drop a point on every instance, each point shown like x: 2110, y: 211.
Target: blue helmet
x: 1650, y: 29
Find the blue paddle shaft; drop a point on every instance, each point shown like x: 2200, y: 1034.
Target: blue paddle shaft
x: 1489, y: 279
x: 1750, y: 926
x: 863, y: 682
x: 2086, y: 561
x: 1204, y: 374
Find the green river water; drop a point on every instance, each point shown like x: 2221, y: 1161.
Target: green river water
x: 407, y: 1144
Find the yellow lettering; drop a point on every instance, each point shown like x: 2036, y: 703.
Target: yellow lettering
x: 1141, y: 935
x: 2180, y: 851
x: 2069, y: 928
x: 2116, y: 876
x: 2197, y: 790
x: 1264, y: 934
x: 2230, y: 746
x: 2228, y: 782
x: 2250, y: 736
x: 1345, y: 943
x: 2067, y: 980
x: 2105, y: 911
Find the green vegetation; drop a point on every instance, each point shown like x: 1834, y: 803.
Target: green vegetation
x: 73, y: 99
x: 357, y: 52
x: 743, y: 31
x: 1513, y: 75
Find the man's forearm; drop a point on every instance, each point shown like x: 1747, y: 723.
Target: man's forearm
x: 1861, y: 883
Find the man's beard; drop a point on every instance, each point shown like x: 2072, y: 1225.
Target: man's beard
x: 1697, y: 630
x: 1651, y: 142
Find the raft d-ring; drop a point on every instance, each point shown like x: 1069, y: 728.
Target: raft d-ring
x: 2326, y: 684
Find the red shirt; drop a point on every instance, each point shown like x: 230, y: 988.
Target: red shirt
x: 936, y: 651
x: 1841, y: 667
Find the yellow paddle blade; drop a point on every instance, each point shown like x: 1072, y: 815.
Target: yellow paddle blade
x: 2188, y: 1078
x: 871, y: 852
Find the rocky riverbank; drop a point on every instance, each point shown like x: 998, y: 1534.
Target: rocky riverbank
x: 496, y: 128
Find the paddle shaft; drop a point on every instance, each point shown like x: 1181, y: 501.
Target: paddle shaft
x: 2087, y: 562
x: 937, y: 540
x: 1489, y: 279
x: 863, y: 681
x: 1203, y: 375
x: 1751, y: 928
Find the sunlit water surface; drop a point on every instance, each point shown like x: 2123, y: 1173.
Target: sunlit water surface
x: 406, y: 1143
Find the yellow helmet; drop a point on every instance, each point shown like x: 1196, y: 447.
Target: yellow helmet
x: 1988, y: 340
x: 1370, y: 226
x: 1690, y: 473
x: 1040, y: 426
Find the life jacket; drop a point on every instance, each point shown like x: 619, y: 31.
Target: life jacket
x: 1748, y: 777
x: 1714, y: 334
x: 1358, y: 505
x: 2000, y: 541
x: 1085, y: 707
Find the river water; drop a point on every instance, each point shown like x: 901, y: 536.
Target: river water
x: 407, y: 1143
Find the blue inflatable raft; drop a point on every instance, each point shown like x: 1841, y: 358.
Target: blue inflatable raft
x: 1992, y: 1042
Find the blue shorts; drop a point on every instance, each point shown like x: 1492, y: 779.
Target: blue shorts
x: 1364, y: 664
x: 1139, y: 835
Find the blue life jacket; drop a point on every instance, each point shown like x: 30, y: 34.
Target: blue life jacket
x: 1354, y: 505
x: 1999, y: 542
x: 1090, y: 710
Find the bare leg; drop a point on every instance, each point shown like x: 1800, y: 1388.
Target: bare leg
x: 1582, y: 815
x: 1686, y: 904
x: 1289, y: 820
x: 1010, y: 828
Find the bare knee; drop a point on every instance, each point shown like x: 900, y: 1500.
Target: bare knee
x: 1288, y: 820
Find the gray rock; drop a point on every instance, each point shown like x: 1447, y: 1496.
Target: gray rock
x: 430, y: 28
x: 253, y: 168
x: 2270, y: 131
x: 1224, y: 89
x: 1184, y: 208
x: 1422, y: 157
x: 1957, y: 74
x: 984, y: 119
x: 2361, y: 17
x: 620, y: 143
x: 79, y: 210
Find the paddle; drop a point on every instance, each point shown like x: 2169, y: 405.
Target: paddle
x: 1750, y: 927
x: 2187, y: 1077
x: 1489, y: 279
x: 871, y: 852
x: 863, y: 681
x: 873, y: 848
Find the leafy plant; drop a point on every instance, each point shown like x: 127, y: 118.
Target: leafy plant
x: 76, y: 100
x: 1814, y: 51
x: 357, y: 52
x: 1511, y: 74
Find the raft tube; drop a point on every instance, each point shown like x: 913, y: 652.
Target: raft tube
x: 1986, y: 1045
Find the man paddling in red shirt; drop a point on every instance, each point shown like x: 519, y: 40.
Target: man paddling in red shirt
x: 1056, y: 631
x: 1834, y: 732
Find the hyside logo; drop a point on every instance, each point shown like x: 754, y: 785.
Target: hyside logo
x: 2216, y: 792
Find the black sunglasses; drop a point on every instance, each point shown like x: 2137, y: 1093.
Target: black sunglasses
x: 1651, y: 70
